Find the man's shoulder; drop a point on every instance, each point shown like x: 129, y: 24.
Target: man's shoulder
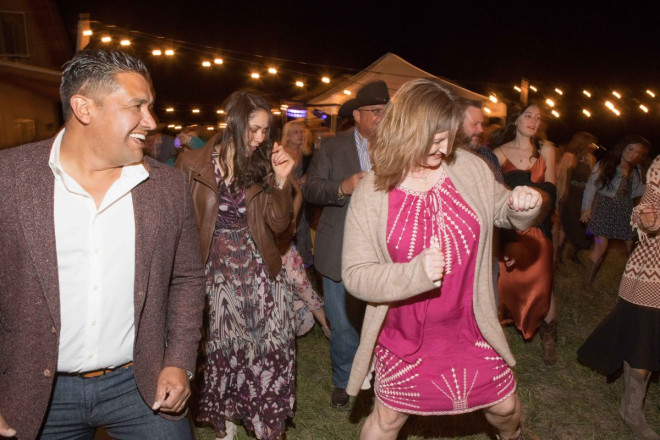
x: 341, y: 138
x: 27, y: 155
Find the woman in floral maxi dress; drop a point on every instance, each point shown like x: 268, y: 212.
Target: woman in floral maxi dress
x: 242, y: 199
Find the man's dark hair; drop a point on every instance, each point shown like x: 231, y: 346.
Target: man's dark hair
x: 91, y: 72
x: 466, y: 102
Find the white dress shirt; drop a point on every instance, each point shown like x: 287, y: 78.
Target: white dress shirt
x: 362, y: 145
x: 96, y: 267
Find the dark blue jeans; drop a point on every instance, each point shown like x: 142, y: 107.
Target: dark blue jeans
x: 345, y: 314
x: 112, y: 401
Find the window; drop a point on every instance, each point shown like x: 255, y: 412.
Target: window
x: 13, y: 35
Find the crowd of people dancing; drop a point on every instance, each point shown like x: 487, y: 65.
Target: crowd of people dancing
x: 409, y: 236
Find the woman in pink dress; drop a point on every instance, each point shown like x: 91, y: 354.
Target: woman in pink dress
x: 417, y: 247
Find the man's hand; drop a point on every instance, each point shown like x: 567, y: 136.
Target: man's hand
x: 5, y: 429
x: 172, y: 391
x: 349, y: 183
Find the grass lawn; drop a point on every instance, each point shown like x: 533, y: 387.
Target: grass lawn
x: 566, y: 401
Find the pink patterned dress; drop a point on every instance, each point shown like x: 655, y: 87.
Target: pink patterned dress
x: 431, y: 357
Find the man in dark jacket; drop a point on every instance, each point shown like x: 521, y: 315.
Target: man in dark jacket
x: 336, y: 169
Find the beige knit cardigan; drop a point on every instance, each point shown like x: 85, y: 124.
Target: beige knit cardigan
x: 369, y: 273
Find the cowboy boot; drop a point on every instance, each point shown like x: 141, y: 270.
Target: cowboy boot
x: 632, y: 403
x: 549, y: 342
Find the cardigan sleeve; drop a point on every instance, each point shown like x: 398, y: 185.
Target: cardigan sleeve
x: 367, y: 271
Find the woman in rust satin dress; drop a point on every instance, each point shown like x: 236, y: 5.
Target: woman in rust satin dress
x: 526, y: 269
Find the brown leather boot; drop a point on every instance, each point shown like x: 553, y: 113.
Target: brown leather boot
x: 632, y: 404
x: 549, y: 342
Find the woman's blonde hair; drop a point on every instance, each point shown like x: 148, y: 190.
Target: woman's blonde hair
x: 419, y: 109
x: 306, y: 150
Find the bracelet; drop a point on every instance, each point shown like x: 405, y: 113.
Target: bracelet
x: 342, y: 193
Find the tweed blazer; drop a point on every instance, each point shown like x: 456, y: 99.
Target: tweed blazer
x: 168, y: 294
x: 336, y: 160
x: 369, y: 273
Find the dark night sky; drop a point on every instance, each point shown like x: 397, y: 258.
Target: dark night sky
x: 484, y: 46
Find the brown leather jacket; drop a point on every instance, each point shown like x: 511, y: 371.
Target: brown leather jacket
x: 268, y: 214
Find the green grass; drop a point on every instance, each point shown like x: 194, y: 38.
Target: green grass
x: 565, y: 402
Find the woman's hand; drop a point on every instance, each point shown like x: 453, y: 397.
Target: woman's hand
x: 434, y: 264
x: 282, y: 164
x: 649, y: 219
x: 585, y: 216
x: 524, y: 198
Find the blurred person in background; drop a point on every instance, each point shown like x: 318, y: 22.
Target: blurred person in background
x: 614, y: 184
x: 575, y: 168
x: 525, y: 285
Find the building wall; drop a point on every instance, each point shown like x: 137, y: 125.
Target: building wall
x: 26, y: 116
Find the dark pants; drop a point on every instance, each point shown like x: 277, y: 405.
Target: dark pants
x: 80, y: 405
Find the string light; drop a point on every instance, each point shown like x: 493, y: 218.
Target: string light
x: 487, y: 110
x: 195, y: 110
x: 555, y: 113
x: 220, y: 112
x: 210, y: 128
x: 171, y: 126
x: 106, y: 35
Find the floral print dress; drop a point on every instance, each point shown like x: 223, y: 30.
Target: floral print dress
x: 249, y: 368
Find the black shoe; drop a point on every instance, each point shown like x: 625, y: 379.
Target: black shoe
x: 339, y: 399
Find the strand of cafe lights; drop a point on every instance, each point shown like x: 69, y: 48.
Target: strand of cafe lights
x: 609, y: 101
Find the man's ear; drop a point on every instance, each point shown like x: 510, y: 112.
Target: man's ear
x: 81, y: 106
x: 357, y: 115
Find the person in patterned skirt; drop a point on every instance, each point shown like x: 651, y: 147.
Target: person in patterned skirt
x: 630, y: 335
x: 608, y: 199
x: 241, y: 193
x: 417, y: 247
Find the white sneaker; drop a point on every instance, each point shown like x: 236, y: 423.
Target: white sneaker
x: 230, y: 431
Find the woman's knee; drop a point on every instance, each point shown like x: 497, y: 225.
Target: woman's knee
x: 509, y: 407
x: 388, y: 419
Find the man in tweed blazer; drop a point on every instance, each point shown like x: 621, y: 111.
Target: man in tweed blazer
x: 102, y: 284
